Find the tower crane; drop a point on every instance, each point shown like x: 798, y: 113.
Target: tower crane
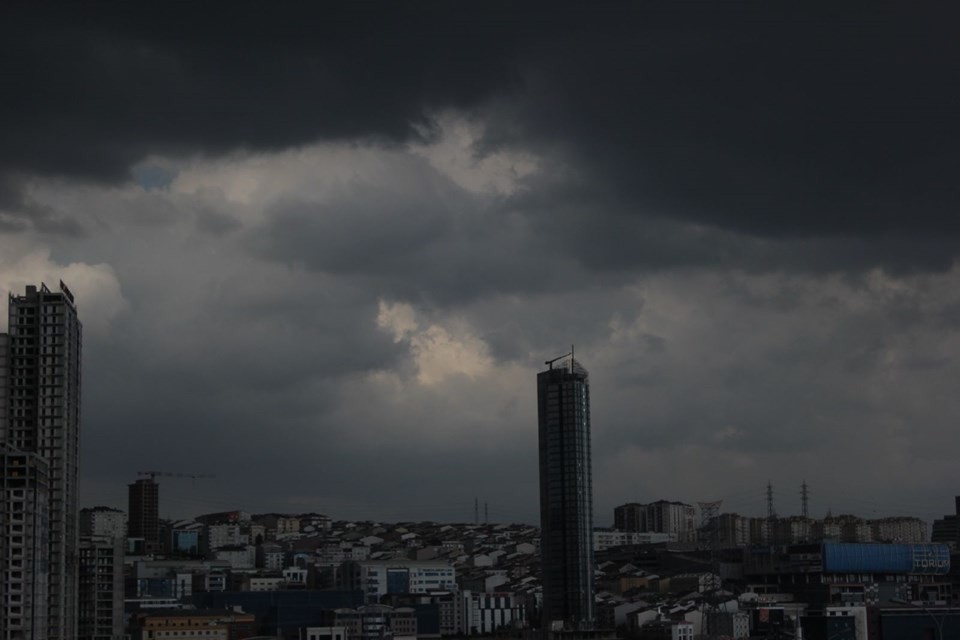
x: 170, y: 474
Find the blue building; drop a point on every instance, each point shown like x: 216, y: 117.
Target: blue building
x: 867, y: 574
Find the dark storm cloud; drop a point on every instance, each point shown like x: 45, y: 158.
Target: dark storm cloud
x: 92, y: 89
x: 818, y: 122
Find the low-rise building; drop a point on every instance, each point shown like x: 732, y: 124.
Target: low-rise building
x: 375, y: 622
x: 376, y: 579
x: 183, y: 624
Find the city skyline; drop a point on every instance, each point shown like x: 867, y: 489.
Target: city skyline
x: 319, y: 254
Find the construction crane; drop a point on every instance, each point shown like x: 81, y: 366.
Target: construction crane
x: 169, y: 474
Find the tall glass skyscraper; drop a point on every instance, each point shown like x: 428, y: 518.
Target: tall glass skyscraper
x: 566, y: 495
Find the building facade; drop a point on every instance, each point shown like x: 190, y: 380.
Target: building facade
x: 100, y: 594
x: 42, y: 390
x: 674, y: 518
x: 378, y: 578
x: 566, y: 496
x: 143, y: 501
x: 103, y: 521
x: 24, y: 510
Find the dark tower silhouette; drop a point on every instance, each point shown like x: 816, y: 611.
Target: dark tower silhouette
x: 566, y: 494
x: 143, y: 516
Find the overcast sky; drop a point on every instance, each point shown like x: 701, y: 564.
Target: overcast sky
x: 323, y: 253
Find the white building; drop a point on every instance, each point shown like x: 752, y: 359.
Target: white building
x: 325, y: 633
x: 239, y: 556
x: 225, y: 535
x: 904, y: 530
x: 485, y: 613
x: 378, y: 578
x: 609, y: 538
x: 103, y: 521
x: 295, y: 576
x: 658, y: 517
x: 262, y: 583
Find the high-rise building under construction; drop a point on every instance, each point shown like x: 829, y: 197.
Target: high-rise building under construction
x: 39, y: 443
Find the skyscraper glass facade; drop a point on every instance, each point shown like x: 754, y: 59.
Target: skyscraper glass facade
x: 566, y: 495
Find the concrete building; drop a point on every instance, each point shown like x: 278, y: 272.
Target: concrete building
x: 225, y: 535
x: 24, y: 508
x: 485, y: 613
x: 325, y: 633
x: 947, y: 528
x: 270, y: 556
x: 566, y: 496
x: 729, y: 624
x: 374, y: 622
x: 833, y: 623
x: 103, y: 521
x: 100, y: 592
x: 42, y: 398
x: 604, y: 539
x: 378, y: 578
x: 666, y: 630
x: 662, y: 516
x: 850, y: 574
x: 907, y: 530
x: 239, y: 556
x: 143, y: 507
x: 182, y: 624
x: 733, y: 529
x: 186, y: 539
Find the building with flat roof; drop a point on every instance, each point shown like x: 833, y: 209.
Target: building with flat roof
x: 378, y: 578
x: 143, y: 500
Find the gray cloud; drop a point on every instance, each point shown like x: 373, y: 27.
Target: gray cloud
x: 342, y: 246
